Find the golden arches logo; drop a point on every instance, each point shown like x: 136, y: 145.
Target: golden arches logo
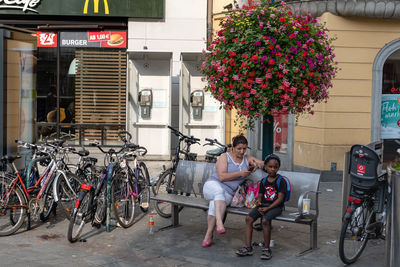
x: 96, y: 7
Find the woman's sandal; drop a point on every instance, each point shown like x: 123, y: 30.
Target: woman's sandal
x: 244, y: 251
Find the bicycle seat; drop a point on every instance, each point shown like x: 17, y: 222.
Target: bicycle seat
x: 9, y: 159
x: 90, y: 159
x: 215, y: 152
x: 83, y: 153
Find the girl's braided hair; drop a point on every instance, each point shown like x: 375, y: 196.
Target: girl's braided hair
x: 271, y: 157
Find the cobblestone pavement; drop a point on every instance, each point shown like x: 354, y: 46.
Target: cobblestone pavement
x: 46, y: 244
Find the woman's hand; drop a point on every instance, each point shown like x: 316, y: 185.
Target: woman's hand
x: 245, y: 173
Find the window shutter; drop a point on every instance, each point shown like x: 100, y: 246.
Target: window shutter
x: 100, y: 92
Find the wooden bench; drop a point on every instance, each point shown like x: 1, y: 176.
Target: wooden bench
x: 191, y: 176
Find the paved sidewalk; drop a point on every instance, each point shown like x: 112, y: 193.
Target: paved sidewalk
x: 47, y: 245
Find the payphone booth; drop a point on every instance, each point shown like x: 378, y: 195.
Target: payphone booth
x: 149, y: 101
x: 17, y: 89
x: 200, y: 113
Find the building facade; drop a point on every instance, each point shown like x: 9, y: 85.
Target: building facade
x: 78, y: 87
x: 363, y: 106
x: 165, y: 83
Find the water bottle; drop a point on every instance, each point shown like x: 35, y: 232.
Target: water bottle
x: 151, y: 224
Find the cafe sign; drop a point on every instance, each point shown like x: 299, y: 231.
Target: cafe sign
x: 24, y: 5
x: 390, y: 116
x: 114, y: 8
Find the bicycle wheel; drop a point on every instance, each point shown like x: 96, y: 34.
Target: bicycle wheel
x: 164, y: 186
x: 354, y: 234
x: 67, y: 190
x: 80, y: 216
x: 100, y: 214
x: 12, y: 208
x: 123, y: 200
x: 49, y: 202
x: 144, y: 184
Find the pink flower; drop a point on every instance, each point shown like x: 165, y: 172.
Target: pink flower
x: 259, y: 80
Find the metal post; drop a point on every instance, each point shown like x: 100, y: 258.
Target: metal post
x: 108, y: 199
x: 346, y: 182
x: 2, y: 89
x: 392, y: 246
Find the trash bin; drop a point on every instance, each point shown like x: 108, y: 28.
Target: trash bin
x: 392, y: 246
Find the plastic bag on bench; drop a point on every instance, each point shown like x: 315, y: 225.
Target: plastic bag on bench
x: 239, y: 197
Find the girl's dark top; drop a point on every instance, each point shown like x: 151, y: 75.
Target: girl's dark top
x: 270, y: 191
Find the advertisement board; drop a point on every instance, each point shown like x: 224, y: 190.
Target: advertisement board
x: 390, y: 116
x: 103, y: 39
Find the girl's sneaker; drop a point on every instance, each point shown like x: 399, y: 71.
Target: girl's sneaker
x: 266, y: 254
x: 244, y: 251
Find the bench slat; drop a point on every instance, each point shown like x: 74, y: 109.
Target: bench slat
x: 200, y: 203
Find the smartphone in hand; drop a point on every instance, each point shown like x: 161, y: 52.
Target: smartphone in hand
x: 251, y: 168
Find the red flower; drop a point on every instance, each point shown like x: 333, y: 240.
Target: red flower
x: 271, y: 62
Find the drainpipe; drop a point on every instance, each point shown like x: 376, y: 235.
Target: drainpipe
x: 209, y: 20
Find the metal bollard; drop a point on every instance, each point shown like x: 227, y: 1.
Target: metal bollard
x: 108, y: 198
x: 346, y: 182
x: 392, y: 244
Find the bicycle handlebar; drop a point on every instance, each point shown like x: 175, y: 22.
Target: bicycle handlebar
x: 123, y: 139
x: 188, y: 139
x: 212, y: 142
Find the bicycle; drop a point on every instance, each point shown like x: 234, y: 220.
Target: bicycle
x: 91, y: 203
x: 213, y: 154
x: 66, y: 185
x: 165, y: 183
x: 19, y: 199
x: 131, y: 181
x: 368, y: 202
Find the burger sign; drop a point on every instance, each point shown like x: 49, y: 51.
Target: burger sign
x: 105, y: 39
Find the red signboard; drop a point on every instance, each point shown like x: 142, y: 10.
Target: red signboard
x: 99, y: 36
x: 117, y: 40
x: 280, y: 128
x: 105, y: 39
x: 360, y: 169
x: 46, y: 39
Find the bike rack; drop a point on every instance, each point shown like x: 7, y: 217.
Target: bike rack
x: 108, y: 199
x: 392, y: 244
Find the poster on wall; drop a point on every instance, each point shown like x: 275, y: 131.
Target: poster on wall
x: 103, y: 39
x: 390, y: 116
x: 281, y: 132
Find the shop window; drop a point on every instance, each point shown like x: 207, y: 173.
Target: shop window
x: 280, y: 129
x: 81, y: 92
x: 390, y: 107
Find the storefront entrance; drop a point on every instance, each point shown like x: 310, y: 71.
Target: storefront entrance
x: 81, y: 86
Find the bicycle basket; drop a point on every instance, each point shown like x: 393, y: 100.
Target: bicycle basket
x: 364, y: 164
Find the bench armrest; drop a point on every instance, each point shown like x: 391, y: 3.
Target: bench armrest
x: 300, y: 202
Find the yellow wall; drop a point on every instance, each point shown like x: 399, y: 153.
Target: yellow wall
x: 231, y: 129
x: 346, y: 118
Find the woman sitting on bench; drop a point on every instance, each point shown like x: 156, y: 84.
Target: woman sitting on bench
x: 232, y: 168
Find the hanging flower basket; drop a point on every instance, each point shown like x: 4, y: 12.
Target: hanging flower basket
x: 268, y: 59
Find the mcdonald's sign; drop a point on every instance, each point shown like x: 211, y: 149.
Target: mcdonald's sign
x: 96, y: 7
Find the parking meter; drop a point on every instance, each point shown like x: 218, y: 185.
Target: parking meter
x: 197, y: 101
x: 145, y: 102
